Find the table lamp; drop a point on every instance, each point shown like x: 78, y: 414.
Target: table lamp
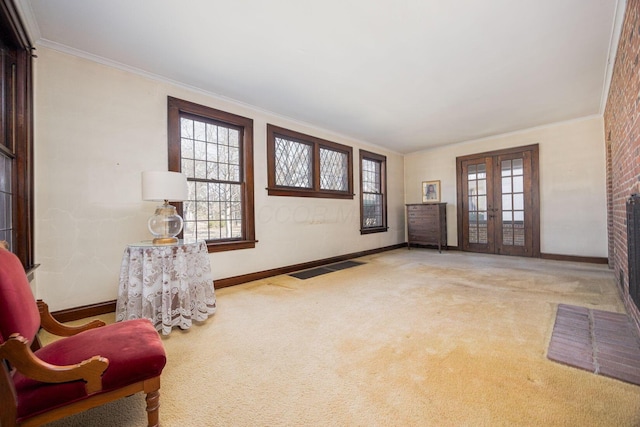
x: 161, y: 186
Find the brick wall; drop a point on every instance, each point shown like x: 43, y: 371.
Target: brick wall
x: 622, y: 133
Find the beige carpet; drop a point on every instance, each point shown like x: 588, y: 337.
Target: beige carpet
x: 411, y: 338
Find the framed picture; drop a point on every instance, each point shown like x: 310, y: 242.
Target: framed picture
x: 430, y: 191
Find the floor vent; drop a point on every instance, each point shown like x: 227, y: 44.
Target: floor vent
x: 307, y: 274
x: 601, y: 342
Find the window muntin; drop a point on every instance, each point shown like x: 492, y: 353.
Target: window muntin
x: 214, y: 150
x: 373, y: 203
x: 6, y: 200
x: 211, y: 161
x: 334, y: 167
x: 294, y: 165
x: 371, y: 194
x: 306, y: 166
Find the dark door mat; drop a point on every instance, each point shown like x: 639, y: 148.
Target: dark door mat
x: 601, y: 342
x: 307, y: 274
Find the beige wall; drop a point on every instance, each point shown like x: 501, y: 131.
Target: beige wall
x: 98, y: 127
x: 573, y: 217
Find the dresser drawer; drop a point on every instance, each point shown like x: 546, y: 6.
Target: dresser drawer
x: 426, y: 224
x: 424, y: 217
x: 423, y: 210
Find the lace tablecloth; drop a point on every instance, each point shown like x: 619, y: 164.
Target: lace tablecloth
x: 171, y: 285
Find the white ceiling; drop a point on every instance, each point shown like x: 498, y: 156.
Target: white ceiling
x: 402, y: 74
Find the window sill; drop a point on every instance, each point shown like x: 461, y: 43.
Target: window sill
x: 230, y: 246
x: 289, y: 192
x: 374, y: 230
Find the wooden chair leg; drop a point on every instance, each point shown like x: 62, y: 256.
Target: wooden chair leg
x: 8, y: 407
x: 153, y: 406
x: 9, y: 422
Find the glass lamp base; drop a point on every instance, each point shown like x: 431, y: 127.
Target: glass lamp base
x: 165, y: 225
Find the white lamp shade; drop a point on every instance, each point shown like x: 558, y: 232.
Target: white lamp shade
x: 163, y: 185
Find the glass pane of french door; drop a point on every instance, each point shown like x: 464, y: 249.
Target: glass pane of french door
x: 499, y: 202
x: 477, y: 189
x: 512, y: 180
x: 478, y: 203
x: 516, y: 209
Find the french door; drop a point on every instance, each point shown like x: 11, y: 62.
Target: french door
x: 498, y: 202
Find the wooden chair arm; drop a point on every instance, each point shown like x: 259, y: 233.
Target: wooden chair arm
x: 17, y: 351
x: 50, y: 324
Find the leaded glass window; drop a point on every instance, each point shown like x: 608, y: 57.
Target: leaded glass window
x: 303, y: 165
x: 6, y: 204
x: 293, y: 163
x: 373, y: 206
x: 211, y: 161
x: 333, y: 170
x: 214, y: 149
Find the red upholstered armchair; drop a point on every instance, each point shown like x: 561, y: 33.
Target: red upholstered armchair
x: 93, y: 365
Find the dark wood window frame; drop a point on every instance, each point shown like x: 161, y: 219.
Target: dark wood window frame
x: 367, y: 155
x: 317, y: 144
x: 177, y: 108
x: 16, y: 116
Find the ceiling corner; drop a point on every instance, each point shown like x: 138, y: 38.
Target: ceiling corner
x: 29, y: 20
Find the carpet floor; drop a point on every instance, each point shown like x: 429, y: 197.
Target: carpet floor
x: 408, y: 338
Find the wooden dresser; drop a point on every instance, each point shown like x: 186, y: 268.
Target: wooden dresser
x: 427, y: 224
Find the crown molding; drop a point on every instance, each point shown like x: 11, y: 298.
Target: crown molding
x: 156, y: 77
x: 616, y: 31
x: 29, y: 20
